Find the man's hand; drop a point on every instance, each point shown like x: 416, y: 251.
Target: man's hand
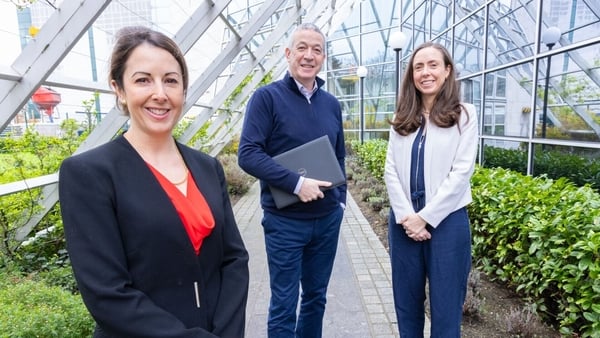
x: 415, y: 227
x: 311, y: 190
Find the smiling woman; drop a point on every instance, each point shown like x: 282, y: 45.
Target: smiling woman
x: 150, y: 231
x: 429, y: 162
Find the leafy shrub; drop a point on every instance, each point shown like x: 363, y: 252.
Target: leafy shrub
x: 513, y: 159
x: 33, y: 309
x: 581, y: 169
x: 543, y: 237
x: 60, y: 276
x: 24, y: 157
x: 371, y: 155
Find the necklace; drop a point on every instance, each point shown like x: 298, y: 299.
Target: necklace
x: 183, y: 180
x: 186, y: 172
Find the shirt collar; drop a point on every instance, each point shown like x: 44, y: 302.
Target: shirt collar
x: 307, y: 93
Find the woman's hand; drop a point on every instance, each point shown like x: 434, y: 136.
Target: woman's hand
x: 415, y: 227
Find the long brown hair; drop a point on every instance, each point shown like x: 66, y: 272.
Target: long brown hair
x: 446, y: 108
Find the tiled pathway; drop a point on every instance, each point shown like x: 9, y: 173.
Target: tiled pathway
x: 359, y: 299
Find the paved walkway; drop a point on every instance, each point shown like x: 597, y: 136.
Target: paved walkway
x: 359, y: 298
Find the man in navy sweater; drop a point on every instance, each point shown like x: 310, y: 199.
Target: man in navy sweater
x: 301, y: 239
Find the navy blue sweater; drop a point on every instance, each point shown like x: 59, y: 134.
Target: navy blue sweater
x: 278, y: 118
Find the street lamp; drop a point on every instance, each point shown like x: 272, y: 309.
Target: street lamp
x: 397, y: 42
x: 362, y: 72
x: 550, y: 37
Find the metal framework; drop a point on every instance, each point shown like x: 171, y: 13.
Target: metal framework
x: 255, y: 49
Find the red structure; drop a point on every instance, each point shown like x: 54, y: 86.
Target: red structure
x: 46, y: 99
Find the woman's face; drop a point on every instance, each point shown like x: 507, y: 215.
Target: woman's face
x: 152, y: 89
x: 429, y: 71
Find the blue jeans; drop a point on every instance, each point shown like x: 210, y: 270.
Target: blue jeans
x: 444, y: 260
x: 299, y: 251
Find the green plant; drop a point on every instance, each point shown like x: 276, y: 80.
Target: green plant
x: 25, y: 157
x: 33, y: 309
x: 371, y: 155
x: 580, y: 168
x: 541, y: 236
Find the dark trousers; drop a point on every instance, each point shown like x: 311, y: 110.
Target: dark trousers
x: 299, y: 252
x: 445, y: 261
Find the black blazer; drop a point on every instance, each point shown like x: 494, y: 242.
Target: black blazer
x: 133, y: 261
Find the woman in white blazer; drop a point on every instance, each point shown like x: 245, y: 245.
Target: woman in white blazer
x: 430, y: 159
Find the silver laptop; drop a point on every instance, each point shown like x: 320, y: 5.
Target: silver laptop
x: 315, y: 159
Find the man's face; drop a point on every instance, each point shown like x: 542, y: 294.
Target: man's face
x: 305, y: 57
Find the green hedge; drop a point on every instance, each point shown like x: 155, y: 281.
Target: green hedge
x: 541, y: 236
x: 33, y: 309
x: 580, y: 169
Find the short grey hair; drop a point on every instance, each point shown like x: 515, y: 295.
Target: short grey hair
x: 304, y: 27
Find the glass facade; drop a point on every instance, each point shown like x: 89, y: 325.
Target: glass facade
x: 532, y: 94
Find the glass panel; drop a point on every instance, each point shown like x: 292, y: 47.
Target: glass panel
x: 343, y: 83
x: 379, y: 86
x: 477, y: 94
x: 445, y: 40
x: 407, y: 7
x: 468, y: 48
x: 511, y: 33
x: 379, y: 14
x: 500, y: 86
x: 575, y: 19
x: 12, y: 41
x: 489, y: 85
x: 465, y: 7
x: 441, y: 18
x: 342, y: 53
x: 508, y: 115
x: 568, y: 99
x: 420, y: 25
x: 375, y: 46
x: 505, y: 154
x: 387, y: 11
x: 578, y: 164
x: 350, y: 113
x: 350, y: 26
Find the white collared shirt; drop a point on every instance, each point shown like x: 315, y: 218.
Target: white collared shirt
x: 307, y: 94
x: 305, y: 91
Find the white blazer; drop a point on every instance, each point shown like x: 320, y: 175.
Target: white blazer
x: 449, y: 163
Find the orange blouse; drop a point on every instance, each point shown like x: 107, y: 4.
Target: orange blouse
x: 193, y: 210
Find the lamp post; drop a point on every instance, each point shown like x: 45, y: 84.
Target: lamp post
x: 550, y: 37
x: 362, y: 72
x: 397, y: 42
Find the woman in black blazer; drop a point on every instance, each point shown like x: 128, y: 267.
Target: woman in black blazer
x: 150, y: 231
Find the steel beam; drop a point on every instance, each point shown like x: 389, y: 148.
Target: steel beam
x: 44, y: 53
